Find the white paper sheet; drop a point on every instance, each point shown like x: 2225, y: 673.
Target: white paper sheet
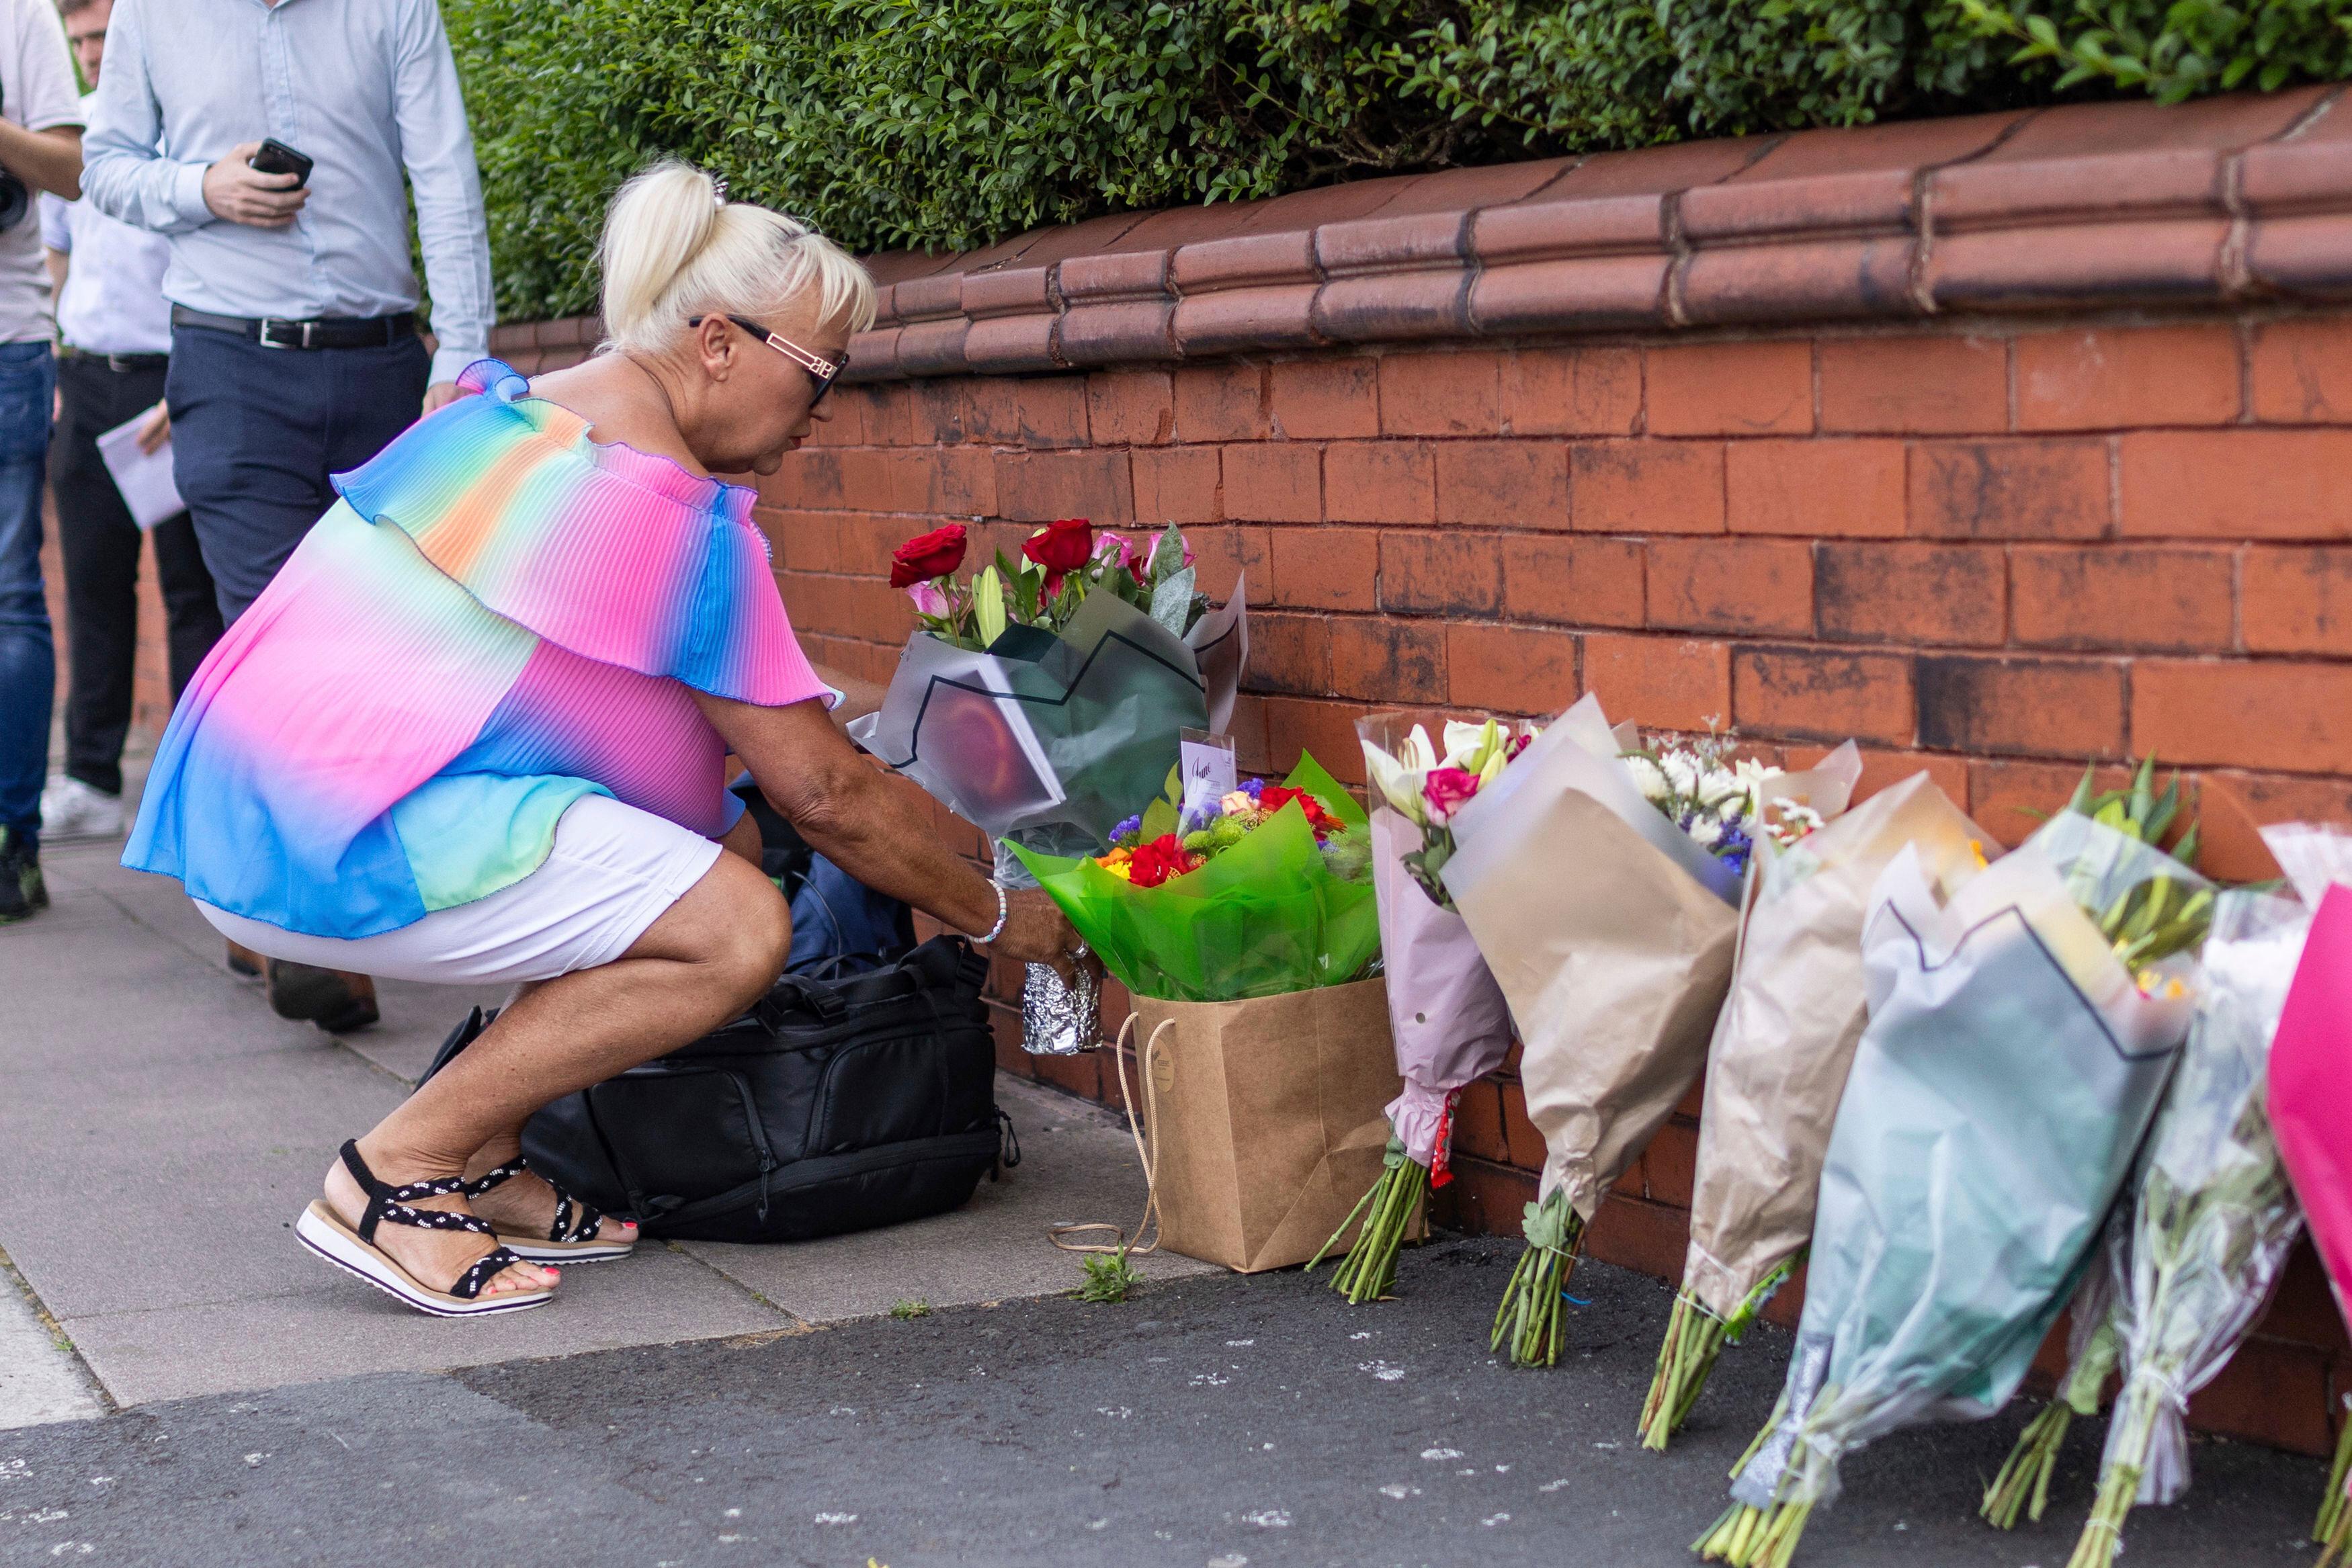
x: 143, y: 478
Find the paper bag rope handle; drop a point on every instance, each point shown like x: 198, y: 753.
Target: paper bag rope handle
x: 1148, y: 1155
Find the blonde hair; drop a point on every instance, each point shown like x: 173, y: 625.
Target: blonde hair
x: 675, y: 247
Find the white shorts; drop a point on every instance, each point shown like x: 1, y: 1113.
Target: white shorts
x: 610, y: 873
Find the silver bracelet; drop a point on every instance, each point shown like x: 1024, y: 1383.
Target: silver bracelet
x: 1001, y: 910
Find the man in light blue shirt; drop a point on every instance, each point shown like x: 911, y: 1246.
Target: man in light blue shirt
x: 295, y: 348
x: 295, y: 345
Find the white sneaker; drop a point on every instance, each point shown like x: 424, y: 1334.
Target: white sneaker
x: 71, y: 809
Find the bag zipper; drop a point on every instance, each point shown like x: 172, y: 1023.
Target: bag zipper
x: 759, y: 1137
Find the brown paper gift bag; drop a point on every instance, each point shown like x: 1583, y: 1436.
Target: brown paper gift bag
x: 1266, y: 1118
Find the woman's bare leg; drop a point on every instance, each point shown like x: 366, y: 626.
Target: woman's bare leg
x: 526, y: 1205
x: 709, y: 956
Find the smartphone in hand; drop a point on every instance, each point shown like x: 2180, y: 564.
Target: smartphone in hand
x: 276, y: 158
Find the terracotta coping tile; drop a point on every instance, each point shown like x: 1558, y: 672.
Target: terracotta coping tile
x: 928, y: 299
x: 2306, y: 167
x: 1024, y: 290
x: 1535, y: 231
x: 1462, y: 190
x: 1243, y: 260
x: 1390, y: 244
x: 1655, y: 170
x: 1114, y: 275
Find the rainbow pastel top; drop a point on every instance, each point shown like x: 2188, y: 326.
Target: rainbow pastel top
x: 498, y: 617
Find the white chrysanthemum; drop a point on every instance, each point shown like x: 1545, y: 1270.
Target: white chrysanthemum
x: 1705, y: 830
x: 1648, y: 777
x: 1683, y: 771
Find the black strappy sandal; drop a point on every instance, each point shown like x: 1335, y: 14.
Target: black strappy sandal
x: 572, y: 1238
x: 323, y: 1230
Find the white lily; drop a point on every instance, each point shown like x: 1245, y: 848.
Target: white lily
x: 1466, y: 745
x: 988, y: 605
x: 1399, y: 785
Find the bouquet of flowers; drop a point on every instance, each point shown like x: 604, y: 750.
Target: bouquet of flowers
x: 1448, y: 1017
x: 1600, y: 879
x: 1778, y: 1060
x: 2213, y: 1221
x: 1270, y: 893
x: 1041, y: 702
x: 2093, y: 1349
x: 2310, y: 1081
x: 2020, y: 1035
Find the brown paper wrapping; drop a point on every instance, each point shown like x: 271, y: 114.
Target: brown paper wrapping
x: 1786, y: 1035
x: 1266, y: 1118
x: 1614, y: 961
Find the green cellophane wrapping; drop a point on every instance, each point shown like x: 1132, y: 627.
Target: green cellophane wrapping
x: 1266, y: 917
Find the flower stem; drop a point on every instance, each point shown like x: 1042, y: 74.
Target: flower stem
x: 1528, y: 1321
x: 2329, y: 1529
x: 1748, y: 1537
x: 1693, y: 1339
x: 1368, y: 1273
x: 2102, y: 1532
x: 2025, y: 1475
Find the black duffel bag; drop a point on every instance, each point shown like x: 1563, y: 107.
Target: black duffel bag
x: 833, y: 1105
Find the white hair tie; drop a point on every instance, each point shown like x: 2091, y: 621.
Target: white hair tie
x: 718, y: 190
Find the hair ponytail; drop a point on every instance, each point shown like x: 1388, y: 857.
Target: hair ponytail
x: 675, y: 247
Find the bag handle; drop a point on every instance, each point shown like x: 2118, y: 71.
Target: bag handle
x: 1148, y: 1154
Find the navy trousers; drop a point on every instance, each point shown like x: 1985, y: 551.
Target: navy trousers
x: 255, y: 432
x: 28, y: 671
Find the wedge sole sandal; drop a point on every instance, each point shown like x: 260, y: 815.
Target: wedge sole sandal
x: 324, y: 1233
x: 576, y: 1236
x: 557, y: 1254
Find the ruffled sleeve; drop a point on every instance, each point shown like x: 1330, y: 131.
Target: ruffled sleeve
x: 613, y: 554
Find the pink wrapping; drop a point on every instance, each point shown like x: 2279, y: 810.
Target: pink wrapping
x: 1450, y: 1023
x: 2310, y: 1084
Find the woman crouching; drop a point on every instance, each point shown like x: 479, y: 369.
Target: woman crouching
x: 476, y: 730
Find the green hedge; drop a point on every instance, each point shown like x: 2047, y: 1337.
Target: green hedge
x: 953, y: 123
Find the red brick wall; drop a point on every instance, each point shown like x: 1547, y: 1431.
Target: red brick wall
x: 1996, y: 445
x: 1990, y: 552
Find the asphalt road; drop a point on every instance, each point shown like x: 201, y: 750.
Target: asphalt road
x: 1208, y: 1423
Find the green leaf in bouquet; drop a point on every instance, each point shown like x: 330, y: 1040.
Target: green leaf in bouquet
x: 1168, y: 558
x: 1171, y: 601
x: 1159, y: 817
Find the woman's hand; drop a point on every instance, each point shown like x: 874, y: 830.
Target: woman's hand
x: 1036, y: 932
x: 878, y: 828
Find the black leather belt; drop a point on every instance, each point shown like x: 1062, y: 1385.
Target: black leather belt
x: 124, y: 363
x: 323, y: 332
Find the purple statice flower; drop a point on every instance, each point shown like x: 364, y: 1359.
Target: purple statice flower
x: 1253, y: 788
x: 1736, y: 845
x: 1131, y: 829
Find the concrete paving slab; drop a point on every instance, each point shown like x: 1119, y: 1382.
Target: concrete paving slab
x: 329, y: 1325
x: 40, y: 1380
x: 1077, y: 1165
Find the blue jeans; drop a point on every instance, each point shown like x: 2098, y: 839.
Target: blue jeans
x: 28, y: 659
x: 255, y: 432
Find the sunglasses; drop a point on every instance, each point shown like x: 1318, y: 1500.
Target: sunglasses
x: 821, y: 369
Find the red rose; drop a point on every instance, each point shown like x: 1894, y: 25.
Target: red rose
x: 1156, y: 862
x: 931, y: 555
x: 1446, y: 789
x: 1061, y: 546
x: 1276, y: 797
